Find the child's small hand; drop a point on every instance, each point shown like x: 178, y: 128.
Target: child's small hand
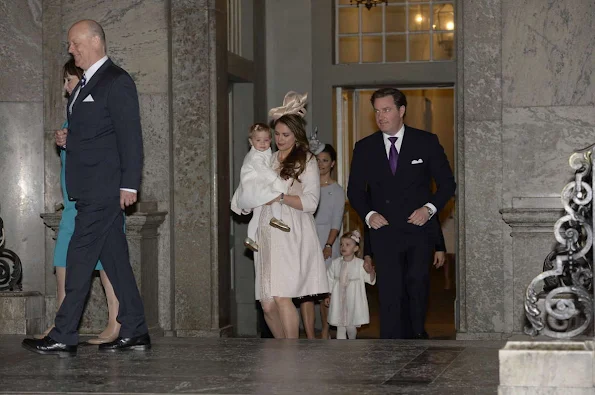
x: 327, y: 301
x: 368, y: 266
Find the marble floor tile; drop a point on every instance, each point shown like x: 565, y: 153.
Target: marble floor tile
x: 258, y: 366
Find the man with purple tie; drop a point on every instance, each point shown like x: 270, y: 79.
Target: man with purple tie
x: 390, y: 188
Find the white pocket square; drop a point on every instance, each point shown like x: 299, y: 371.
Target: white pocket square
x: 89, y: 99
x: 417, y: 161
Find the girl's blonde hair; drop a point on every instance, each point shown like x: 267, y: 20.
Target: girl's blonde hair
x: 260, y: 127
x: 356, y: 237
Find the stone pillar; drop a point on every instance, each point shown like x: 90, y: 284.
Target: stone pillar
x: 143, y: 245
x: 200, y: 217
x: 532, y: 240
x: 21, y: 135
x: 483, y: 279
x: 21, y: 313
x: 143, y: 249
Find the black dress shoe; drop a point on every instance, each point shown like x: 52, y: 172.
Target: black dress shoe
x: 48, y: 346
x: 421, y: 336
x: 138, y: 343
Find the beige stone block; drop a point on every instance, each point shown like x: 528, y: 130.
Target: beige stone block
x: 20, y: 51
x: 536, y: 145
x: 21, y: 313
x: 548, y: 53
x: 547, y: 365
x: 136, y: 34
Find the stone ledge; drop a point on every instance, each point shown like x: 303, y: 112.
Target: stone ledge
x: 136, y: 224
x: 21, y: 313
x: 548, y: 367
x: 482, y: 336
x: 226, y: 331
x: 531, y: 220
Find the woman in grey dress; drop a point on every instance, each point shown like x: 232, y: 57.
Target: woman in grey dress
x: 329, y: 218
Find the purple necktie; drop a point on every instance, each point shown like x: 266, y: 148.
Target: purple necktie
x: 393, y: 155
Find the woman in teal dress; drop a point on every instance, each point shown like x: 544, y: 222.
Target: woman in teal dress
x: 72, y: 75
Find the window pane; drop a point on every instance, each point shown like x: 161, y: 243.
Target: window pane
x: 396, y: 48
x: 395, y: 19
x: 444, y: 17
x: 348, y: 49
x: 443, y: 46
x: 348, y: 20
x: 372, y: 20
x: 419, y: 17
x: 372, y: 49
x: 419, y: 47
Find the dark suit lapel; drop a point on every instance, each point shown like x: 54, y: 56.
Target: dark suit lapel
x: 96, y: 77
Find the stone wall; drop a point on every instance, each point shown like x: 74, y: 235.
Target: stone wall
x: 21, y: 135
x: 525, y: 86
x: 176, y: 53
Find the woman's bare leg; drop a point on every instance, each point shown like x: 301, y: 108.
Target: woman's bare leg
x: 289, y: 317
x: 60, y: 286
x: 113, y: 326
x: 60, y: 294
x: 325, y: 326
x: 308, y: 318
x: 272, y: 318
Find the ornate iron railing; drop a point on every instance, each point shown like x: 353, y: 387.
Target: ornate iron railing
x: 564, y: 309
x: 11, y: 270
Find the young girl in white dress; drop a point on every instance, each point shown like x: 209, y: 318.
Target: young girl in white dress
x: 347, y: 276
x: 259, y: 184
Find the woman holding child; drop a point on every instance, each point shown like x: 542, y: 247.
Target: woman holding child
x: 290, y: 264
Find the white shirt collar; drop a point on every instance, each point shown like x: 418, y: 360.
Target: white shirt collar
x: 399, y: 134
x: 94, y: 67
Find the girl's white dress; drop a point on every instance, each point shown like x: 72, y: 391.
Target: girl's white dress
x: 290, y: 264
x: 349, y: 303
x: 259, y: 183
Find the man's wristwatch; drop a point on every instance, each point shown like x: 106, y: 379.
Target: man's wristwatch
x: 430, y: 211
x: 282, y: 196
x: 328, y: 245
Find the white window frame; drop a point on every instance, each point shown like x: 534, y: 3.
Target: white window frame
x: 384, y: 34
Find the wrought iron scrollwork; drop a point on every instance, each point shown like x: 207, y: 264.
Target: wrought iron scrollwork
x: 564, y: 309
x: 11, y: 270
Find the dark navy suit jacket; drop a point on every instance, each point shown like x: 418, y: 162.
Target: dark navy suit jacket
x: 104, y: 150
x: 373, y: 187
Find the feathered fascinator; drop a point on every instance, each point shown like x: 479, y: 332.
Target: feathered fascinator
x: 355, y: 235
x: 293, y: 103
x: 316, y: 146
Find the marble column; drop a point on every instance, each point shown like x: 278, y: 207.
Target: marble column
x: 21, y: 135
x: 532, y: 232
x: 482, y: 288
x: 138, y: 41
x: 200, y: 217
x: 548, y: 111
x: 143, y: 246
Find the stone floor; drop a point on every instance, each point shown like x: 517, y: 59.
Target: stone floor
x: 259, y: 366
